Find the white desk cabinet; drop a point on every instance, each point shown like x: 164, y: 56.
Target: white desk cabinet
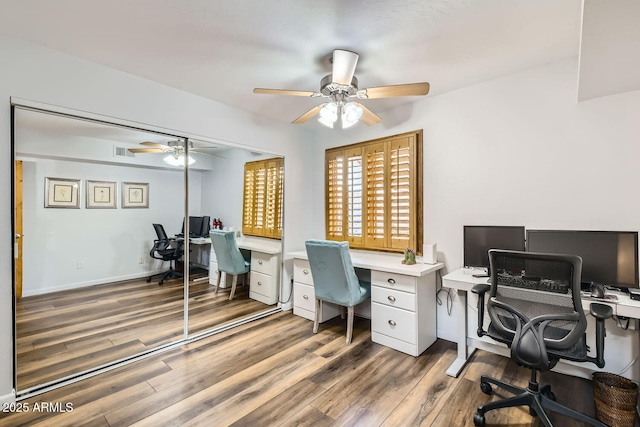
x: 265, y: 277
x: 213, y: 271
x: 304, y: 297
x: 403, y: 299
x: 403, y: 310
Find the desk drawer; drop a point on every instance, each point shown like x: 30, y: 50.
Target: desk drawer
x: 394, y: 322
x: 261, y: 262
x: 304, y: 296
x: 393, y: 298
x: 399, y: 282
x: 261, y: 284
x: 302, y: 271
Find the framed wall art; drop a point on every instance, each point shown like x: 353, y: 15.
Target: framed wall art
x: 101, y: 195
x: 61, y: 193
x: 135, y: 195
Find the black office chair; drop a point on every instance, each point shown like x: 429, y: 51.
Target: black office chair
x: 166, y: 249
x: 535, y: 308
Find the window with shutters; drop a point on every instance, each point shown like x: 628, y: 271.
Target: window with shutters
x: 374, y: 193
x: 263, y: 198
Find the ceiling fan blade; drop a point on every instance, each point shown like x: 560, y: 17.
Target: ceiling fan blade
x: 146, y: 150
x: 309, y: 114
x: 368, y: 117
x: 344, y: 65
x: 411, y: 89
x: 154, y: 145
x: 285, y: 92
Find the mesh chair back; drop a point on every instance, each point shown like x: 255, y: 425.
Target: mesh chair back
x: 526, y: 286
x: 163, y: 240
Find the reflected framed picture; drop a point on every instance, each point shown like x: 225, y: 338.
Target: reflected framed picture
x: 61, y: 193
x: 101, y: 195
x: 135, y: 195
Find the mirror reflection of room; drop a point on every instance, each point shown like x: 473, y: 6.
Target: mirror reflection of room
x: 92, y: 261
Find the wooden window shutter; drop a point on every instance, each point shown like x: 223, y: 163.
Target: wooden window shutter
x: 376, y: 227
x: 334, y: 190
x: 355, y: 207
x: 401, y: 191
x: 263, y: 201
x: 248, y: 207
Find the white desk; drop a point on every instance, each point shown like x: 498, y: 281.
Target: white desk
x: 403, y: 298
x: 621, y: 347
x: 264, y: 283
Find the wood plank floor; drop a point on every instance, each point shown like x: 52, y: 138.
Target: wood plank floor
x: 67, y: 332
x: 276, y: 372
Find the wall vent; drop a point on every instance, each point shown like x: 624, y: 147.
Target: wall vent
x: 122, y: 152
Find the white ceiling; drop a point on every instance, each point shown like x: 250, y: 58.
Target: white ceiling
x: 223, y: 49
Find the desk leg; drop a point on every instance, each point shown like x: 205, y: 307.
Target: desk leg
x: 463, y: 351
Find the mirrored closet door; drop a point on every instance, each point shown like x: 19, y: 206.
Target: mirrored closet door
x: 94, y: 282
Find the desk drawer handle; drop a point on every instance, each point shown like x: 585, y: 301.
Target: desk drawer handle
x: 391, y: 298
x: 392, y: 281
x: 392, y: 323
x: 259, y: 283
x: 305, y: 271
x: 260, y: 262
x: 305, y: 296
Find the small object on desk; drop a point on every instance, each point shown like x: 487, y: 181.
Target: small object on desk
x: 597, y: 291
x: 479, y: 275
x: 409, y: 256
x: 634, y: 294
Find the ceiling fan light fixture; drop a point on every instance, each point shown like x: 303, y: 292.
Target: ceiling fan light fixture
x: 351, y: 113
x: 328, y: 114
x: 179, y: 160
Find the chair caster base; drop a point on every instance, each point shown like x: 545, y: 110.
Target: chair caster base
x: 478, y: 420
x: 486, y: 387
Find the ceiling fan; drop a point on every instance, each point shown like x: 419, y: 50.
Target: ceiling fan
x: 340, y: 86
x: 175, y: 149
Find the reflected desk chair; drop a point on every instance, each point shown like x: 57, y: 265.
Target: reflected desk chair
x: 335, y: 279
x: 229, y: 258
x: 166, y: 249
x: 535, y: 308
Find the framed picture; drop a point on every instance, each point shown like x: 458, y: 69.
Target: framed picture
x: 135, y: 195
x: 61, y: 193
x: 101, y: 195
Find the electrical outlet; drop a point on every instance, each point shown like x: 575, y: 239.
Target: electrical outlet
x: 80, y: 265
x: 141, y: 260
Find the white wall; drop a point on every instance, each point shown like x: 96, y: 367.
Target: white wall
x: 519, y: 150
x: 35, y: 73
x: 109, y: 243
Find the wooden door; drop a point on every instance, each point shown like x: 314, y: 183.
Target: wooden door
x: 18, y: 225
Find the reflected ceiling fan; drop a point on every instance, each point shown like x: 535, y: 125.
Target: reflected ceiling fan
x: 340, y: 86
x: 175, y: 150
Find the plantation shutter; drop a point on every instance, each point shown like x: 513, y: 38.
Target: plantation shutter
x: 373, y: 193
x: 263, y: 187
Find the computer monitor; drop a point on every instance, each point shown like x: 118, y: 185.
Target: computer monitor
x: 478, y: 239
x: 195, y: 226
x: 608, y: 257
x: 206, y: 226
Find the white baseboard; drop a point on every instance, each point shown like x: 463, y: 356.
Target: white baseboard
x: 8, y: 398
x: 67, y: 286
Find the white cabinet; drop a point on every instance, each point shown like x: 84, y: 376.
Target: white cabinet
x: 403, y: 311
x: 213, y: 271
x: 304, y: 297
x: 265, y: 277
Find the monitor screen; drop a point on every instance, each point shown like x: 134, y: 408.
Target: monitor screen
x: 195, y: 226
x: 478, y: 239
x: 608, y: 257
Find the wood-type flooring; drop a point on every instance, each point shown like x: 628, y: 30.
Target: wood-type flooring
x: 67, y: 332
x: 276, y: 372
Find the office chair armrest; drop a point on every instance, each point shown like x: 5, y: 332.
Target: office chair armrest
x: 600, y: 312
x: 480, y: 290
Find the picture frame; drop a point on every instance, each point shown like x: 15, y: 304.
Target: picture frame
x: 101, y: 194
x: 135, y: 195
x: 61, y: 193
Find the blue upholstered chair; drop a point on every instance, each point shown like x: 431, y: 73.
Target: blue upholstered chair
x: 334, y: 279
x: 230, y: 259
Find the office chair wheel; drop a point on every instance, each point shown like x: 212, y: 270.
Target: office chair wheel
x: 549, y: 394
x: 148, y: 279
x: 161, y: 282
x: 486, y: 387
x: 478, y: 420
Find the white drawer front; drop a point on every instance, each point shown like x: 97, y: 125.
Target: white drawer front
x: 304, y: 296
x: 302, y: 271
x: 393, y: 298
x: 399, y: 282
x: 213, y: 275
x: 261, y: 262
x: 261, y: 284
x: 394, y: 322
